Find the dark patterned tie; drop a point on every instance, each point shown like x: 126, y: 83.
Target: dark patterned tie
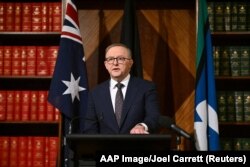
x: 118, y: 102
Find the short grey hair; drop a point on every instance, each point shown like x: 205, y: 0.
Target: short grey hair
x: 119, y: 44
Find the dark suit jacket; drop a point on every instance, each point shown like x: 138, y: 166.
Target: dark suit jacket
x: 140, y: 105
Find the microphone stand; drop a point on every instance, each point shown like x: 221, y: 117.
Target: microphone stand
x: 178, y: 142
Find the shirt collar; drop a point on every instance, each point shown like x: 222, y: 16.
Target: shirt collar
x: 124, y: 81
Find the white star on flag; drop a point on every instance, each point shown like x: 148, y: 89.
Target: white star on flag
x: 73, y: 87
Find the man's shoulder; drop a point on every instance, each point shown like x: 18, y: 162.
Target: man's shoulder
x: 141, y: 80
x: 101, y: 85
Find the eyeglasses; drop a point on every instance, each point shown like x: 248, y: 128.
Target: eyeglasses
x: 120, y: 60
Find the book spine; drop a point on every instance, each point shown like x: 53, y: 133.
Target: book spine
x: 2, y: 16
x: 1, y: 60
x: 22, y: 151
x: 25, y: 106
x: 245, y: 144
x: 17, y: 18
x: 219, y: 16
x: 33, y: 105
x: 45, y: 16
x: 50, y: 14
x: 38, y: 151
x: 7, y: 58
x: 245, y: 60
x: 31, y: 60
x: 227, y: 16
x: 4, y: 150
x: 10, y: 106
x: 16, y: 60
x: 46, y: 152
x: 23, y: 61
x: 226, y: 144
x: 9, y: 17
x: 242, y: 13
x: 57, y: 114
x: 53, y: 147
x: 246, y: 101
x: 26, y: 16
x: 29, y: 153
x: 42, y: 101
x: 210, y: 10
x: 239, y: 109
x: 50, y: 110
x: 36, y: 17
x: 248, y: 16
x: 216, y: 55
x: 222, y: 106
x: 56, y: 16
x: 225, y: 62
x: 52, y: 56
x: 17, y: 105
x: 42, y: 62
x: 3, y: 104
x: 13, y: 152
x: 234, y: 16
x: 230, y: 106
x: 235, y: 60
x: 237, y: 144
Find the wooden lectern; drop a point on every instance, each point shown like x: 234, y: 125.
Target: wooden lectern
x: 84, y: 146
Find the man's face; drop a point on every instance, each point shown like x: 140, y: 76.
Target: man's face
x: 118, y: 62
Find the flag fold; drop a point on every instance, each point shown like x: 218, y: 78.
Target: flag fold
x: 130, y: 36
x: 206, y: 128
x: 69, y: 86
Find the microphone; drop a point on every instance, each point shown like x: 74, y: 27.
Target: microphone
x: 167, y: 122
x: 78, y: 118
x: 72, y: 121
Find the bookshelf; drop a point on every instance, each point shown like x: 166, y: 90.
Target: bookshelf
x: 39, y: 35
x: 231, y: 37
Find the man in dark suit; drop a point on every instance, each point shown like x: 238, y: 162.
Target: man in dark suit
x: 139, y: 109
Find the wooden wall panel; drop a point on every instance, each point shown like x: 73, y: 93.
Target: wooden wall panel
x: 167, y: 39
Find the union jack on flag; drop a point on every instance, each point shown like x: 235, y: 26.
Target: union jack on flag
x: 69, y: 86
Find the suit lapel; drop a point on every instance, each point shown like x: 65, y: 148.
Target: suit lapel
x: 109, y: 110
x: 129, y: 98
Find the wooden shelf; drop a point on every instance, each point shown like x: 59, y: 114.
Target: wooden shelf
x: 29, y: 38
x: 231, y: 33
x: 231, y: 38
x: 235, y: 123
x: 29, y: 128
x: 235, y: 129
x: 233, y: 83
x: 223, y: 0
x: 30, y: 0
x: 25, y: 83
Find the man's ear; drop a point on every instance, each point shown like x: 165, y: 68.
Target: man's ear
x: 105, y: 63
x: 131, y: 62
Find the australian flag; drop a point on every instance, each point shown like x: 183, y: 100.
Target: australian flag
x: 69, y: 86
x: 205, y: 118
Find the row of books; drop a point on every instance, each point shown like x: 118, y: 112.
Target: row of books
x: 233, y: 106
x: 28, y: 151
x: 231, y: 60
x: 26, y: 105
x: 229, y: 16
x: 28, y: 60
x: 31, y: 16
x: 235, y: 144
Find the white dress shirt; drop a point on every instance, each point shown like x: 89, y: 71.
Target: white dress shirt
x: 113, y: 89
